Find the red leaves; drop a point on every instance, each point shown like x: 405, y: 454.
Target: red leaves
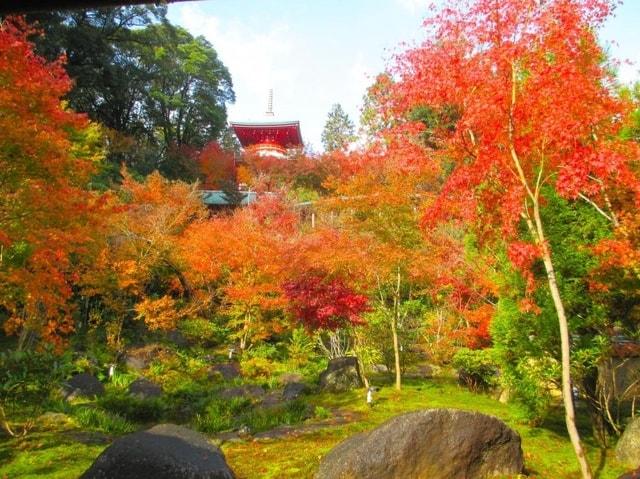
x: 523, y: 255
x: 320, y: 303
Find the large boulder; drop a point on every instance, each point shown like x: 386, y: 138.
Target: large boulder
x: 83, y: 384
x: 165, y: 451
x: 628, y: 447
x: 428, y: 444
x: 144, y: 389
x: 341, y: 375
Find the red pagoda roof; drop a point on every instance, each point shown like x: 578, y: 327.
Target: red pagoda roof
x: 283, y: 134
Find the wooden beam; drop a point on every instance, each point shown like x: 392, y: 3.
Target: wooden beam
x: 8, y: 7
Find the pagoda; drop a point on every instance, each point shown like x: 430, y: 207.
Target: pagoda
x: 269, y: 138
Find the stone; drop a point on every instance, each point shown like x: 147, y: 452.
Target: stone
x: 249, y: 391
x: 428, y: 444
x: 177, y: 338
x: 628, y: 447
x: 165, y: 451
x: 135, y: 363
x: 293, y: 391
x: 631, y: 475
x: 139, y: 358
x: 228, y: 371
x: 83, y: 384
x: 342, y: 374
x: 379, y: 368
x: 144, y: 389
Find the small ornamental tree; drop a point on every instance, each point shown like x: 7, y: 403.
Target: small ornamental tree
x: 535, y: 112
x: 320, y: 303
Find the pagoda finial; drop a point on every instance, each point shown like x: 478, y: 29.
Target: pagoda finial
x: 270, y: 103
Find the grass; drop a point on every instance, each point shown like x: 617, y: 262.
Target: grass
x: 548, y: 453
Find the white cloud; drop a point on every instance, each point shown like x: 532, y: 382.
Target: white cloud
x: 414, y: 6
x: 257, y: 60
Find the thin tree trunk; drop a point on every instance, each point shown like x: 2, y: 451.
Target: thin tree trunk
x: 537, y: 231
x: 567, y: 392
x: 394, y: 332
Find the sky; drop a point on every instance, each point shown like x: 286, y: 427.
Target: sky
x: 315, y: 53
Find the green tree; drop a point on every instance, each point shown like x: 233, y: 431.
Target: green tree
x: 161, y: 92
x: 338, y: 131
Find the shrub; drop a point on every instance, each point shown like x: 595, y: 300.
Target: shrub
x: 220, y: 414
x: 27, y: 380
x: 263, y: 419
x: 132, y: 408
x: 103, y: 421
x: 477, y: 368
x: 321, y: 412
x: 300, y: 348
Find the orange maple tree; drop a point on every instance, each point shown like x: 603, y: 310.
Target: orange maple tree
x: 47, y: 154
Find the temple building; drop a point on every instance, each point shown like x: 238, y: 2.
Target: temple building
x: 269, y: 138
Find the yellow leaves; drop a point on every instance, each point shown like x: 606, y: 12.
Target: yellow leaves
x: 159, y: 313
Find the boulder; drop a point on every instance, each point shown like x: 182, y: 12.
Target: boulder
x: 144, y: 389
x: 139, y: 358
x: 228, y: 371
x: 249, y: 391
x: 428, y: 444
x: 341, y: 375
x: 631, y: 475
x: 628, y: 447
x: 83, y: 384
x: 293, y: 391
x: 165, y: 451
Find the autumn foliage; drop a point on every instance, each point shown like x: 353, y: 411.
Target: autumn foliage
x: 46, y: 213
x: 320, y: 303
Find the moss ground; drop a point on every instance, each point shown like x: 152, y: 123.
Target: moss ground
x: 548, y: 453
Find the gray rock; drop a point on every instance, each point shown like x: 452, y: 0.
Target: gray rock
x: 144, y: 389
x: 228, y: 371
x: 165, y: 451
x: 293, y: 391
x: 628, y: 447
x: 135, y: 363
x: 428, y: 444
x: 253, y: 392
x: 341, y: 375
x: 83, y: 384
x: 177, y: 338
x: 631, y: 475
x: 379, y: 368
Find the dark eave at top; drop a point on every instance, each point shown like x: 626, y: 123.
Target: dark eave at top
x: 31, y: 6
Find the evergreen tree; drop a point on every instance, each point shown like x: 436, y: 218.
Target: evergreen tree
x: 338, y: 131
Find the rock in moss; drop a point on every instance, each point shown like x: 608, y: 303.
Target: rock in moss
x: 165, y: 451
x: 429, y: 444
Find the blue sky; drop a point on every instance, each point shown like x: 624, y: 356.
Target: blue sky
x: 315, y: 53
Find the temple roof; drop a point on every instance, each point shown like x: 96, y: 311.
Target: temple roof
x: 285, y: 134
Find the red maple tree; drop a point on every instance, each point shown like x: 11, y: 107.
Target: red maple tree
x: 533, y: 111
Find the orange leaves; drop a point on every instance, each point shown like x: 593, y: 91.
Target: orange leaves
x: 217, y: 167
x: 159, y: 313
x: 46, y: 215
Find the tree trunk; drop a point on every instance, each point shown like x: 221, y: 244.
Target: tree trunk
x: 394, y: 332
x: 567, y: 392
